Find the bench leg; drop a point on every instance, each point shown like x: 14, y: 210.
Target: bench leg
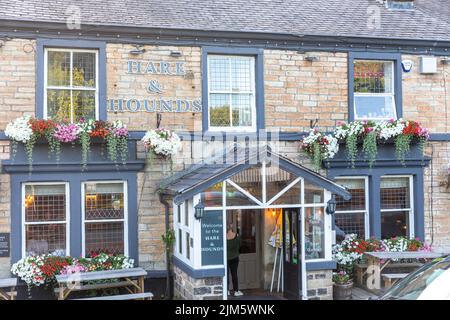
x: 387, y: 283
x: 373, y: 271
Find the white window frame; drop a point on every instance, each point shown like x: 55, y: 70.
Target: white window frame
x: 67, y: 221
x: 71, y: 88
x: 360, y: 94
x: 366, y: 197
x: 231, y: 128
x: 184, y: 230
x: 124, y: 220
x: 410, y: 210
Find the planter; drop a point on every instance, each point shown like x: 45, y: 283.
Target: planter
x: 342, y: 291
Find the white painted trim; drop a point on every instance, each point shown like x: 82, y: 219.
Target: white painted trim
x: 224, y: 225
x: 67, y: 221
x: 232, y: 128
x: 124, y: 220
x: 71, y: 88
x: 283, y: 191
x: 245, y: 192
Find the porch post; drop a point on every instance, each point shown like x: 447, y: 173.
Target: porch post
x: 304, y: 272
x: 224, y: 226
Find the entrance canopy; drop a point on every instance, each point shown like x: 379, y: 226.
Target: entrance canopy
x: 255, y: 168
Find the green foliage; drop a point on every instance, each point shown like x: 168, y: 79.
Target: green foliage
x: 85, y: 141
x: 317, y: 157
x: 370, y: 147
x: 352, y: 148
x: 29, y: 146
x: 402, y: 146
x: 169, y: 239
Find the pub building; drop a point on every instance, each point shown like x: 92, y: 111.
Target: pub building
x: 241, y: 84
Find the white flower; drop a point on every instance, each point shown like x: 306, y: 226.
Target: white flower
x: 163, y: 142
x: 19, y: 130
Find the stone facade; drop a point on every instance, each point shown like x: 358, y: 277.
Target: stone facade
x: 320, y: 285
x: 188, y: 288
x: 295, y: 90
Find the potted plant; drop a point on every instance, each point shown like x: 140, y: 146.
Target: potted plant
x: 342, y: 285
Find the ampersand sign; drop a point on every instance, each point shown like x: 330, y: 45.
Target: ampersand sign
x: 154, y: 86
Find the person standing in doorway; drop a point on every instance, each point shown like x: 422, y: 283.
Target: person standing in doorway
x: 233, y: 246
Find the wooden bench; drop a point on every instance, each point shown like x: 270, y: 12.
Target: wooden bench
x: 131, y: 279
x: 360, y: 269
x: 8, y: 283
x: 390, y: 278
x: 134, y: 296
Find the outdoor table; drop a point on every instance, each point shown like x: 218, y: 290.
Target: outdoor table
x: 377, y: 261
x: 74, y: 282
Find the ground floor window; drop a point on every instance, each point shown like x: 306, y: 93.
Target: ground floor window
x: 104, y: 218
x: 396, y: 207
x: 45, y: 216
x: 352, y: 215
x: 183, y: 230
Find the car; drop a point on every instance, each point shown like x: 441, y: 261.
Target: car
x: 429, y: 282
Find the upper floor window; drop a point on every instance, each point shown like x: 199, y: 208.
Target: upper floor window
x: 70, y: 84
x: 231, y: 93
x: 374, y: 90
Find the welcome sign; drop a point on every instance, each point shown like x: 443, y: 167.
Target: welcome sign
x: 158, y: 100
x: 212, y: 238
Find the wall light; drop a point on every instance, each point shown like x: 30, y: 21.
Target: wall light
x: 331, y: 205
x: 175, y: 54
x: 199, y: 210
x: 138, y: 50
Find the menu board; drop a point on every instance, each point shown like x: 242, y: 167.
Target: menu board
x: 4, y: 245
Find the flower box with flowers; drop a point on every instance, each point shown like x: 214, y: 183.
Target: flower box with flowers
x: 71, y: 142
x: 399, y: 138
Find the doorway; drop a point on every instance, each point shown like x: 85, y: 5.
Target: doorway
x: 291, y: 250
x: 247, y: 223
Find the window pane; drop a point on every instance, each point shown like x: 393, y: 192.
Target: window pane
x: 291, y: 196
x: 45, y: 203
x: 394, y: 224
x: 237, y: 198
x: 374, y: 107
x: 373, y: 76
x: 250, y: 180
x: 287, y: 228
x: 83, y: 72
x: 347, y: 223
x: 58, y: 105
x: 83, y: 104
x: 356, y: 187
x: 45, y: 238
x: 277, y: 179
x: 395, y: 193
x: 212, y: 197
x: 219, y: 73
x: 179, y: 214
x: 186, y: 213
x: 241, y: 73
x: 107, y: 237
x: 180, y: 241
x: 104, y: 201
x: 242, y: 110
x: 219, y: 110
x: 188, y: 246
x: 313, y: 193
x: 58, y: 68
x: 314, y: 233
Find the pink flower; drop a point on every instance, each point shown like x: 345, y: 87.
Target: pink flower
x: 121, y: 132
x: 66, y: 133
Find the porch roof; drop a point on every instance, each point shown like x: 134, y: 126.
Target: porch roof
x: 198, y: 177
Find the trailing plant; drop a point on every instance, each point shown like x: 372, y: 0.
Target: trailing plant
x: 370, y: 147
x: 162, y: 142
x: 27, y: 130
x: 402, y: 132
x: 320, y: 147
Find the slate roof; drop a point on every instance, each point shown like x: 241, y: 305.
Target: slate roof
x: 199, y: 177
x: 430, y: 19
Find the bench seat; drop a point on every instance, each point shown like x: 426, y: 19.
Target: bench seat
x: 390, y: 278
x: 134, y: 296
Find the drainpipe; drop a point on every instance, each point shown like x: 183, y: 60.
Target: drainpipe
x: 167, y: 208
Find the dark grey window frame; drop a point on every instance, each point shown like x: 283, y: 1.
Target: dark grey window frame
x: 75, y: 202
x: 396, y: 58
x: 42, y: 44
x: 259, y: 83
x: 374, y: 175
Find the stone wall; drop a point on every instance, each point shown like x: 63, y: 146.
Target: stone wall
x: 188, y: 288
x: 320, y: 285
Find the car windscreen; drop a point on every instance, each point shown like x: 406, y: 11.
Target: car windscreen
x: 411, y: 287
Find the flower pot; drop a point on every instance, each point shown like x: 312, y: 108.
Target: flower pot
x: 342, y: 291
